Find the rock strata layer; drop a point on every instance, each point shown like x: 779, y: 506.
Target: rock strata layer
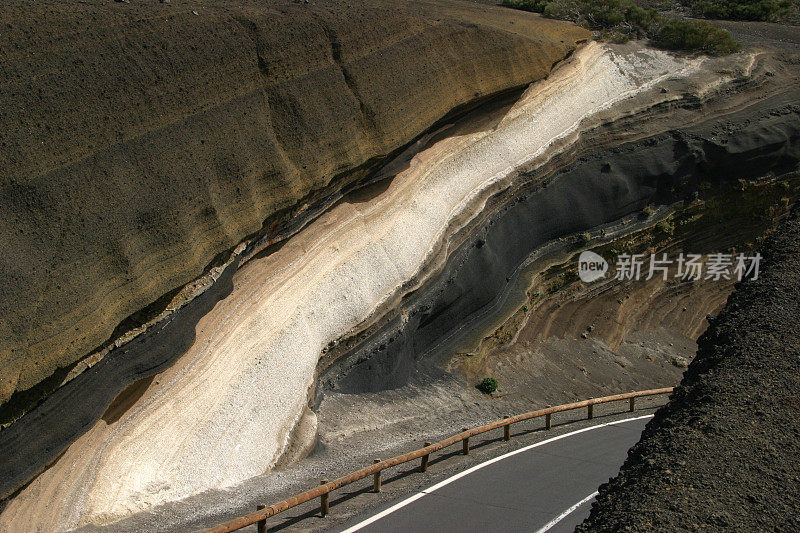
x: 226, y: 410
x: 652, y: 151
x: 427, y: 254
x: 142, y: 140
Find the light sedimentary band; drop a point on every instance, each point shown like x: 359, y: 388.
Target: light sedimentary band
x: 224, y: 412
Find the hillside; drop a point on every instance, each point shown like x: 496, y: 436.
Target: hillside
x: 143, y: 140
x: 723, y: 452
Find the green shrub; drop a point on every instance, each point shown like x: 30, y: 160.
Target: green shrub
x: 666, y: 226
x: 614, y: 37
x: 694, y: 35
x: 488, y: 385
x: 765, y: 10
x: 537, y: 6
x: 647, y: 211
x: 621, y: 20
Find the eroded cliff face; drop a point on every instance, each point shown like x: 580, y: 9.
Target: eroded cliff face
x: 394, y: 277
x: 391, y: 268
x: 140, y: 141
x: 227, y: 408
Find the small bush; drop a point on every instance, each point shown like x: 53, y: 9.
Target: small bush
x: 647, y: 211
x: 536, y: 6
x: 488, y: 385
x: 666, y: 227
x: 615, y: 37
x: 764, y: 10
x: 621, y: 20
x: 586, y: 237
x: 694, y: 35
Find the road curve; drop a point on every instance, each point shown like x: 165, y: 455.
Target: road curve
x: 548, y: 486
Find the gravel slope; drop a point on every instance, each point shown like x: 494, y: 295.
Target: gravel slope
x: 722, y: 455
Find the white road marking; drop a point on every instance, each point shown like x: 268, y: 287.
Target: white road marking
x: 468, y: 471
x: 388, y: 511
x: 548, y: 526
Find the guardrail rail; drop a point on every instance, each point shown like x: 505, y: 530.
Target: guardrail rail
x: 263, y: 512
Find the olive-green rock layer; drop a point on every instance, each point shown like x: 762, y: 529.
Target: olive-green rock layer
x: 140, y: 140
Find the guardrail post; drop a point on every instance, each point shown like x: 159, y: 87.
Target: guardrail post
x: 506, y: 430
x: 323, y: 501
x: 547, y: 421
x: 590, y: 411
x: 465, y: 444
x: 262, y: 524
x: 425, y: 458
x: 376, y: 482
x: 633, y: 404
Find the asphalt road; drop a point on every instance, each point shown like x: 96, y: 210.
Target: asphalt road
x: 548, y: 486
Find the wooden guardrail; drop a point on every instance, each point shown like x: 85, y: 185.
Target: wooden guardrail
x: 260, y: 516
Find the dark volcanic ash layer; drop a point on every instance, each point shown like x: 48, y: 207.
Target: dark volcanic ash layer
x: 657, y: 155
x: 722, y: 455
x: 141, y: 140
